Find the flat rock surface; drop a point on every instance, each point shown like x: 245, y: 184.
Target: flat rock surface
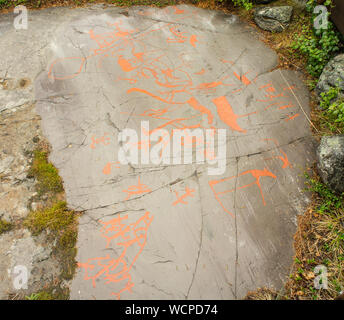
x: 171, y: 231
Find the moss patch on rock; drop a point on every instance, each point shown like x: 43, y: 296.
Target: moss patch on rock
x: 46, y: 174
x: 5, y: 226
x: 60, y: 223
x: 56, y: 218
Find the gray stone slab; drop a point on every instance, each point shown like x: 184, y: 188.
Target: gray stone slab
x: 174, y: 231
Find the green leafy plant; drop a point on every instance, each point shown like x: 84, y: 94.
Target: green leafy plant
x: 312, y: 3
x: 336, y: 110
x: 332, y: 104
x: 317, y: 45
x: 329, y: 201
x: 246, y: 4
x: 243, y: 3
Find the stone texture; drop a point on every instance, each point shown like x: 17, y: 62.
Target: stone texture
x: 330, y: 156
x: 274, y: 19
x: 15, y: 93
x: 21, y: 62
x: 18, y: 248
x: 16, y: 146
x: 332, y: 75
x: 20, y: 128
x: 110, y: 70
x: 215, y: 244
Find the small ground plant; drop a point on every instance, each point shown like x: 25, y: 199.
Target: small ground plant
x: 317, y: 45
x: 247, y: 4
x: 332, y: 106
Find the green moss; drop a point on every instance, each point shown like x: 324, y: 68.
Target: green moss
x: 56, y: 218
x: 45, y: 173
x: 5, y: 226
x: 63, y: 226
x: 66, y: 250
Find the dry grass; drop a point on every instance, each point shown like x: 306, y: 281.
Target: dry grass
x: 262, y: 294
x: 319, y: 241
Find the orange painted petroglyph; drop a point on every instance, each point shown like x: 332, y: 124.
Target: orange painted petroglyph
x: 180, y: 199
x: 280, y: 105
x: 108, y: 167
x: 177, y: 10
x: 62, y: 61
x: 193, y: 40
x: 199, y: 73
x: 276, y: 99
x: 271, y: 92
x: 292, y: 117
x: 197, y: 106
x: 211, y: 86
x: 128, y: 238
x: 155, y: 113
x: 227, y: 115
x: 176, y: 83
x: 125, y: 64
x: 178, y: 36
x: 243, y: 78
x: 149, y: 72
x: 286, y: 106
x: 256, y: 174
x: 283, y: 157
x: 103, y: 140
x: 227, y: 61
x: 140, y: 188
x: 131, y: 81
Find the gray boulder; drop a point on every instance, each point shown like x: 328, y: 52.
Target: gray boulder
x: 332, y: 75
x: 274, y: 19
x: 330, y: 156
